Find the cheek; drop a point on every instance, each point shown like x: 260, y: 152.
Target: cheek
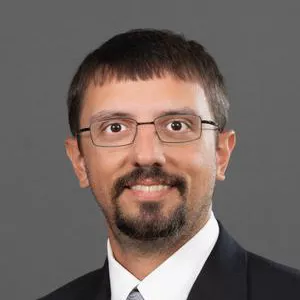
x: 104, y: 161
x: 103, y: 167
x: 199, y: 163
x: 202, y: 171
x: 199, y: 157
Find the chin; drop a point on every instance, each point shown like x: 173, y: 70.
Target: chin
x: 150, y: 223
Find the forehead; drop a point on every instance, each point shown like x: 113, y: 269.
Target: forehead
x: 144, y: 100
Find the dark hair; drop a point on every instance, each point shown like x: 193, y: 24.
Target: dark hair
x: 143, y: 54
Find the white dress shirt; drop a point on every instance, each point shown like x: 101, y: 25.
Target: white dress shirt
x: 174, y: 278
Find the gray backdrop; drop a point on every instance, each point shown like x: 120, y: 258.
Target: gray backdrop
x: 51, y: 230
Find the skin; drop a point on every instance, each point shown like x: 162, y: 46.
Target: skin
x: 199, y: 162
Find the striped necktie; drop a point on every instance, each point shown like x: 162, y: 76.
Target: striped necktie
x: 135, y: 295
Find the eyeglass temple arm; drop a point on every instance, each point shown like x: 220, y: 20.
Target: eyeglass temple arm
x: 83, y: 130
x: 211, y: 123
x: 77, y: 134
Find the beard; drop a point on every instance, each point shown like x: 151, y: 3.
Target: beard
x: 150, y: 224
x: 150, y: 230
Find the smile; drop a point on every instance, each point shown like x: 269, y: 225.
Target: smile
x: 148, y: 192
x: 149, y: 188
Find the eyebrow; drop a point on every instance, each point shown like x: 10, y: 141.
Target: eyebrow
x: 107, y: 114
x: 180, y: 111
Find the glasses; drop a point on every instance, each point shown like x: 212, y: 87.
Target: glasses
x: 119, y: 131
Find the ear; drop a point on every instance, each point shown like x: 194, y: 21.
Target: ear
x: 77, y: 161
x: 225, y: 147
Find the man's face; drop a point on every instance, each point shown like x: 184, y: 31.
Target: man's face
x: 182, y: 176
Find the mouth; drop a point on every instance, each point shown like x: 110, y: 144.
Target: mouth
x: 149, y: 183
x: 149, y: 190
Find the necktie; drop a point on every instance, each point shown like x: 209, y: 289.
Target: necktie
x: 135, y: 295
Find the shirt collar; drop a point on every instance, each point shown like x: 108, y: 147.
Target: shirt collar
x: 122, y: 282
x: 174, y: 278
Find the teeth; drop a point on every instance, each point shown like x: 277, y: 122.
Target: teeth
x: 149, y: 188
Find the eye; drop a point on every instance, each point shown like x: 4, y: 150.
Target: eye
x: 177, y: 126
x: 115, y: 128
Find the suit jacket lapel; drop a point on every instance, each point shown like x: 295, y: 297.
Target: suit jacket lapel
x: 104, y: 285
x: 224, y: 275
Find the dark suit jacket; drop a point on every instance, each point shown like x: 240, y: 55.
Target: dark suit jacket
x: 230, y: 273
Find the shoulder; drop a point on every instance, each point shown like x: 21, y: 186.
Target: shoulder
x: 270, y: 279
x: 84, y: 287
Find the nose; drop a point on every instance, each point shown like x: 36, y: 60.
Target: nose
x: 147, y: 148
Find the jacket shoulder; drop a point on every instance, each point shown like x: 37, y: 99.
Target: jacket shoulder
x: 270, y: 280
x: 84, y: 287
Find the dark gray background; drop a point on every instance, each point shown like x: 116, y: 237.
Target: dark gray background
x: 51, y: 230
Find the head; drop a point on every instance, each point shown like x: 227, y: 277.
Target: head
x: 150, y: 189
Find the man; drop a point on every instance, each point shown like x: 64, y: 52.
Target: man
x: 148, y: 111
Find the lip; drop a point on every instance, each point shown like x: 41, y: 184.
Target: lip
x: 148, y: 196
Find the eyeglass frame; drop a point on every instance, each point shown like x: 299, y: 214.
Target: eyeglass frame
x: 85, y: 129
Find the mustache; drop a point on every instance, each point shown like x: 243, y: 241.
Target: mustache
x: 148, y: 172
